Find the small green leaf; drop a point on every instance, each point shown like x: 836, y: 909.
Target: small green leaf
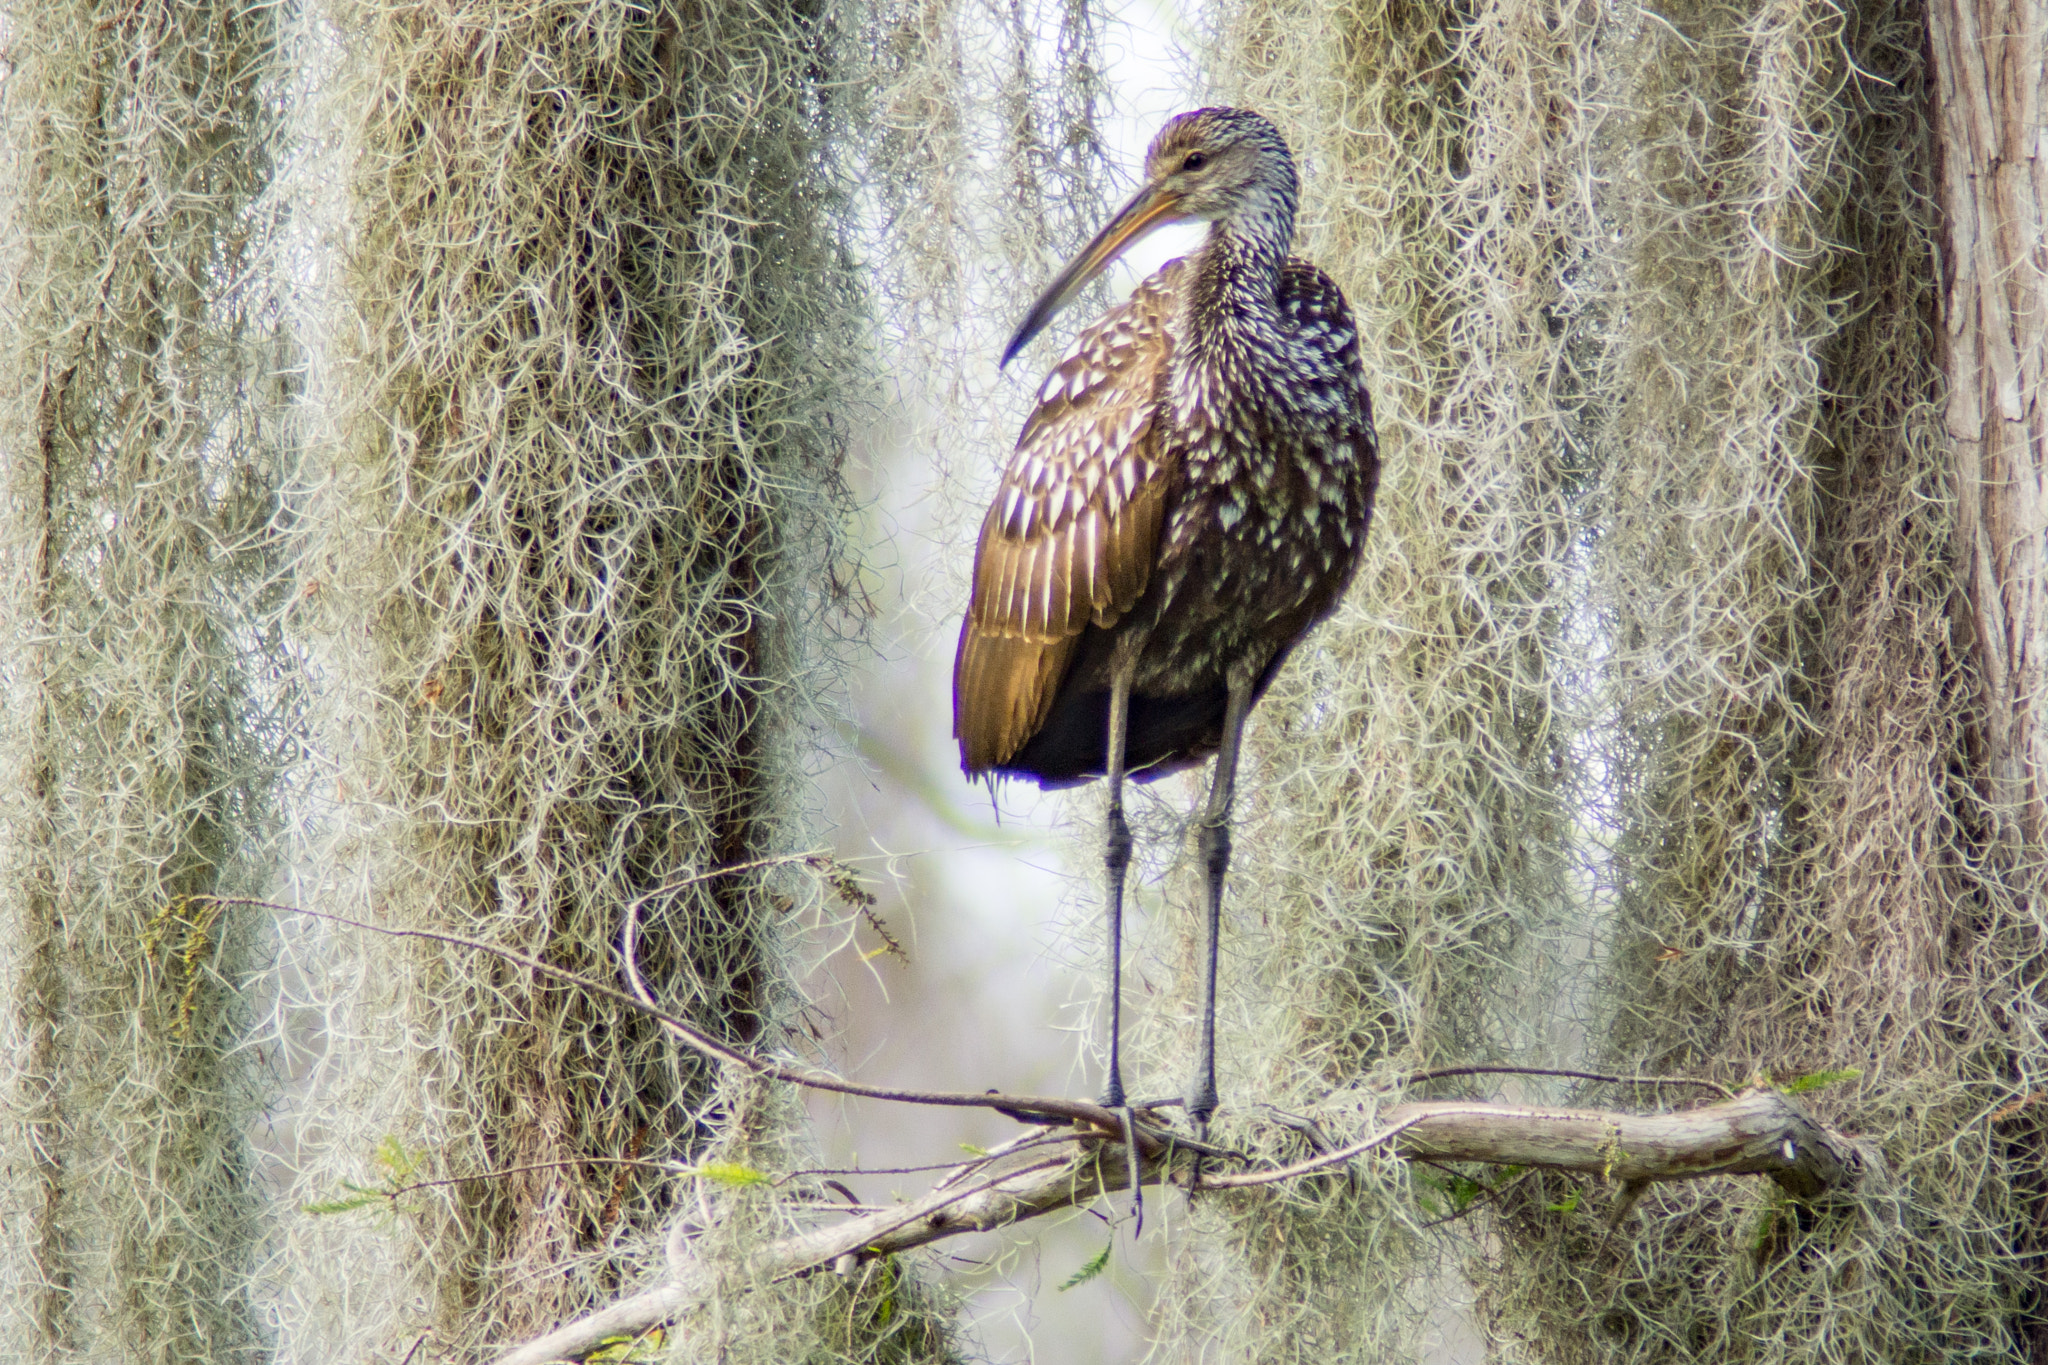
x: 885, y: 1303
x: 1816, y: 1080
x: 731, y: 1173
x: 1457, y: 1190
x: 973, y: 1150
x: 1568, y: 1204
x: 623, y: 1350
x: 1090, y: 1268
x: 349, y: 1205
x: 399, y: 1165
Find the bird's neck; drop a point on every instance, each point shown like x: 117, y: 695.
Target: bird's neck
x: 1236, y: 283
x: 1230, y: 317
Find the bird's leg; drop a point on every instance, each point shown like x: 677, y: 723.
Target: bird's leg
x: 1116, y: 861
x: 1215, y: 849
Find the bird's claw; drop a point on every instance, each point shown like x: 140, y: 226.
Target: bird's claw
x: 1133, y: 1165
x: 1200, y: 1147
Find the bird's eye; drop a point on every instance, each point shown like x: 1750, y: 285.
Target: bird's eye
x: 1195, y: 161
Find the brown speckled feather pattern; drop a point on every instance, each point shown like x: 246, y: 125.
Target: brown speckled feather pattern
x: 1218, y: 505
x: 1191, y: 495
x: 1071, y: 535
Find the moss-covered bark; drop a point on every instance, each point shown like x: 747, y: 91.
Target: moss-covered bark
x: 597, y: 369
x: 140, y: 422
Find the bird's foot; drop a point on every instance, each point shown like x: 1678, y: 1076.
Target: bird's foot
x: 1201, y: 1105
x: 1195, y: 1169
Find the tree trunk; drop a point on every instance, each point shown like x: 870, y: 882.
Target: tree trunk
x: 1990, y: 98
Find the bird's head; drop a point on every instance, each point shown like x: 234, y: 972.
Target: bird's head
x: 1227, y: 166
x: 1216, y: 165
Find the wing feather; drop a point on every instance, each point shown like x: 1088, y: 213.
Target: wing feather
x: 1061, y: 588
x: 1071, y: 533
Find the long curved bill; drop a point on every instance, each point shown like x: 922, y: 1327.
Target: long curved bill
x: 1152, y: 207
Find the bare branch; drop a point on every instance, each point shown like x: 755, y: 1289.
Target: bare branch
x: 1246, y: 1179
x: 1760, y: 1132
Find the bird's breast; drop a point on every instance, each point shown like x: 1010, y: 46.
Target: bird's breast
x: 1259, y: 545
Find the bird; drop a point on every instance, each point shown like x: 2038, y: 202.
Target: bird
x: 1188, y: 499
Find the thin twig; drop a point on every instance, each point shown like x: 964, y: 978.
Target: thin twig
x: 1491, y: 1193
x: 1246, y: 1179
x: 628, y: 951
x: 1079, y: 1111
x: 1441, y: 1072
x: 924, y: 1210
x: 1033, y: 1140
x: 671, y: 1167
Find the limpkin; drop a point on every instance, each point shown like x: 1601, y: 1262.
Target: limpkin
x: 1188, y: 499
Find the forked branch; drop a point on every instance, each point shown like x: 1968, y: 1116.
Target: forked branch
x: 1760, y: 1132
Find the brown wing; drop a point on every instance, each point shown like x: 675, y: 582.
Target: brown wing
x: 1071, y: 535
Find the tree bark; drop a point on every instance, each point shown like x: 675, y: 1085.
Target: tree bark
x: 1992, y: 186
